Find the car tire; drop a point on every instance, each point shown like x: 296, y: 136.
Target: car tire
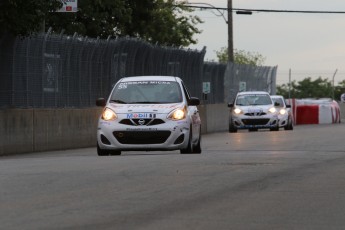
x: 104, y: 152
x: 289, y: 126
x: 101, y: 152
x: 114, y: 152
x: 275, y: 128
x: 189, y: 148
x: 232, y: 128
x: 197, y: 148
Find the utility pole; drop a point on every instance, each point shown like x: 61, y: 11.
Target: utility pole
x: 333, y: 83
x: 289, y: 83
x: 230, y: 33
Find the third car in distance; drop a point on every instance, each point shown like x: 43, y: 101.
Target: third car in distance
x: 284, y: 112
x: 253, y: 110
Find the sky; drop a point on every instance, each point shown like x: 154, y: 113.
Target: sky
x: 308, y: 45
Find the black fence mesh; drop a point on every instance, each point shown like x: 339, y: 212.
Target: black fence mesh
x: 58, y: 71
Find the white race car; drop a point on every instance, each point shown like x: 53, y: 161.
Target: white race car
x: 253, y: 110
x: 285, y: 114
x: 149, y: 113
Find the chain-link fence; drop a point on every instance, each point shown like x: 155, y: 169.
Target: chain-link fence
x: 214, y: 76
x: 248, y: 78
x: 51, y: 70
x: 58, y: 71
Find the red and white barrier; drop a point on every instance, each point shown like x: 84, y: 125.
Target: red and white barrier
x: 308, y: 111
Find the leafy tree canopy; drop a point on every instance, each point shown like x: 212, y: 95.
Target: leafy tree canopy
x: 22, y: 17
x: 241, y: 57
x: 158, y: 21
x: 308, y: 88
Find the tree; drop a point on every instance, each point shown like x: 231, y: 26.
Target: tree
x: 94, y: 19
x: 156, y: 21
x: 307, y: 88
x: 165, y: 22
x: 241, y: 57
x: 23, y: 17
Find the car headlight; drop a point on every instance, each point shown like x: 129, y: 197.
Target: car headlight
x: 178, y: 114
x: 237, y: 111
x: 283, y: 111
x: 272, y: 110
x: 109, y: 115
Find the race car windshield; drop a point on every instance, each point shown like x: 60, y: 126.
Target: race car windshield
x: 147, y: 92
x: 253, y: 99
x: 279, y: 101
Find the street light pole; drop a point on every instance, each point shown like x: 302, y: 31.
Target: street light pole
x: 230, y: 33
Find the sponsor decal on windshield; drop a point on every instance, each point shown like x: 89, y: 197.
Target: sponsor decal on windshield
x: 155, y: 106
x: 123, y: 85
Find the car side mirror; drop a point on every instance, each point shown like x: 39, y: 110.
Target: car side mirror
x: 288, y: 106
x: 100, y: 102
x: 194, y: 101
x: 230, y: 105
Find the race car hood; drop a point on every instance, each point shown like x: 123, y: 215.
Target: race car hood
x: 144, y: 108
x: 255, y: 108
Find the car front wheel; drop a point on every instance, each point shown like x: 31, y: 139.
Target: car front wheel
x: 190, y: 148
x: 232, y: 128
x: 197, y: 148
x: 104, y: 152
x: 289, y: 125
x: 275, y: 128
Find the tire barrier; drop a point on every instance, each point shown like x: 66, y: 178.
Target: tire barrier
x: 309, y: 111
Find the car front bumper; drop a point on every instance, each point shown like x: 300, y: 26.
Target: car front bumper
x: 249, y: 122
x: 171, y: 135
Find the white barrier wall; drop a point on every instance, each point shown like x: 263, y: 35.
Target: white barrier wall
x: 309, y: 111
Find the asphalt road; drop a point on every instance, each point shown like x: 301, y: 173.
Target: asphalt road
x: 245, y: 180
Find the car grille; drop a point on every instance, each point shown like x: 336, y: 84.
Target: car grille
x: 255, y: 121
x: 136, y: 122
x: 255, y: 114
x: 141, y: 137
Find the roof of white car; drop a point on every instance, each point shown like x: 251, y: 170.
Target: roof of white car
x: 252, y: 92
x: 277, y: 96
x: 151, y: 78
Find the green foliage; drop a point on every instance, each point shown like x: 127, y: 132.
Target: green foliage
x: 95, y: 18
x: 23, y: 17
x: 307, y: 88
x: 157, y: 21
x: 222, y: 55
x: 241, y: 57
x: 165, y: 23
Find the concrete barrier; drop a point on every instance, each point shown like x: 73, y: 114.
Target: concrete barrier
x: 216, y: 117
x: 16, y: 131
x: 34, y: 130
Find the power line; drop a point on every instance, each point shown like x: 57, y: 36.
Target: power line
x: 266, y: 10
